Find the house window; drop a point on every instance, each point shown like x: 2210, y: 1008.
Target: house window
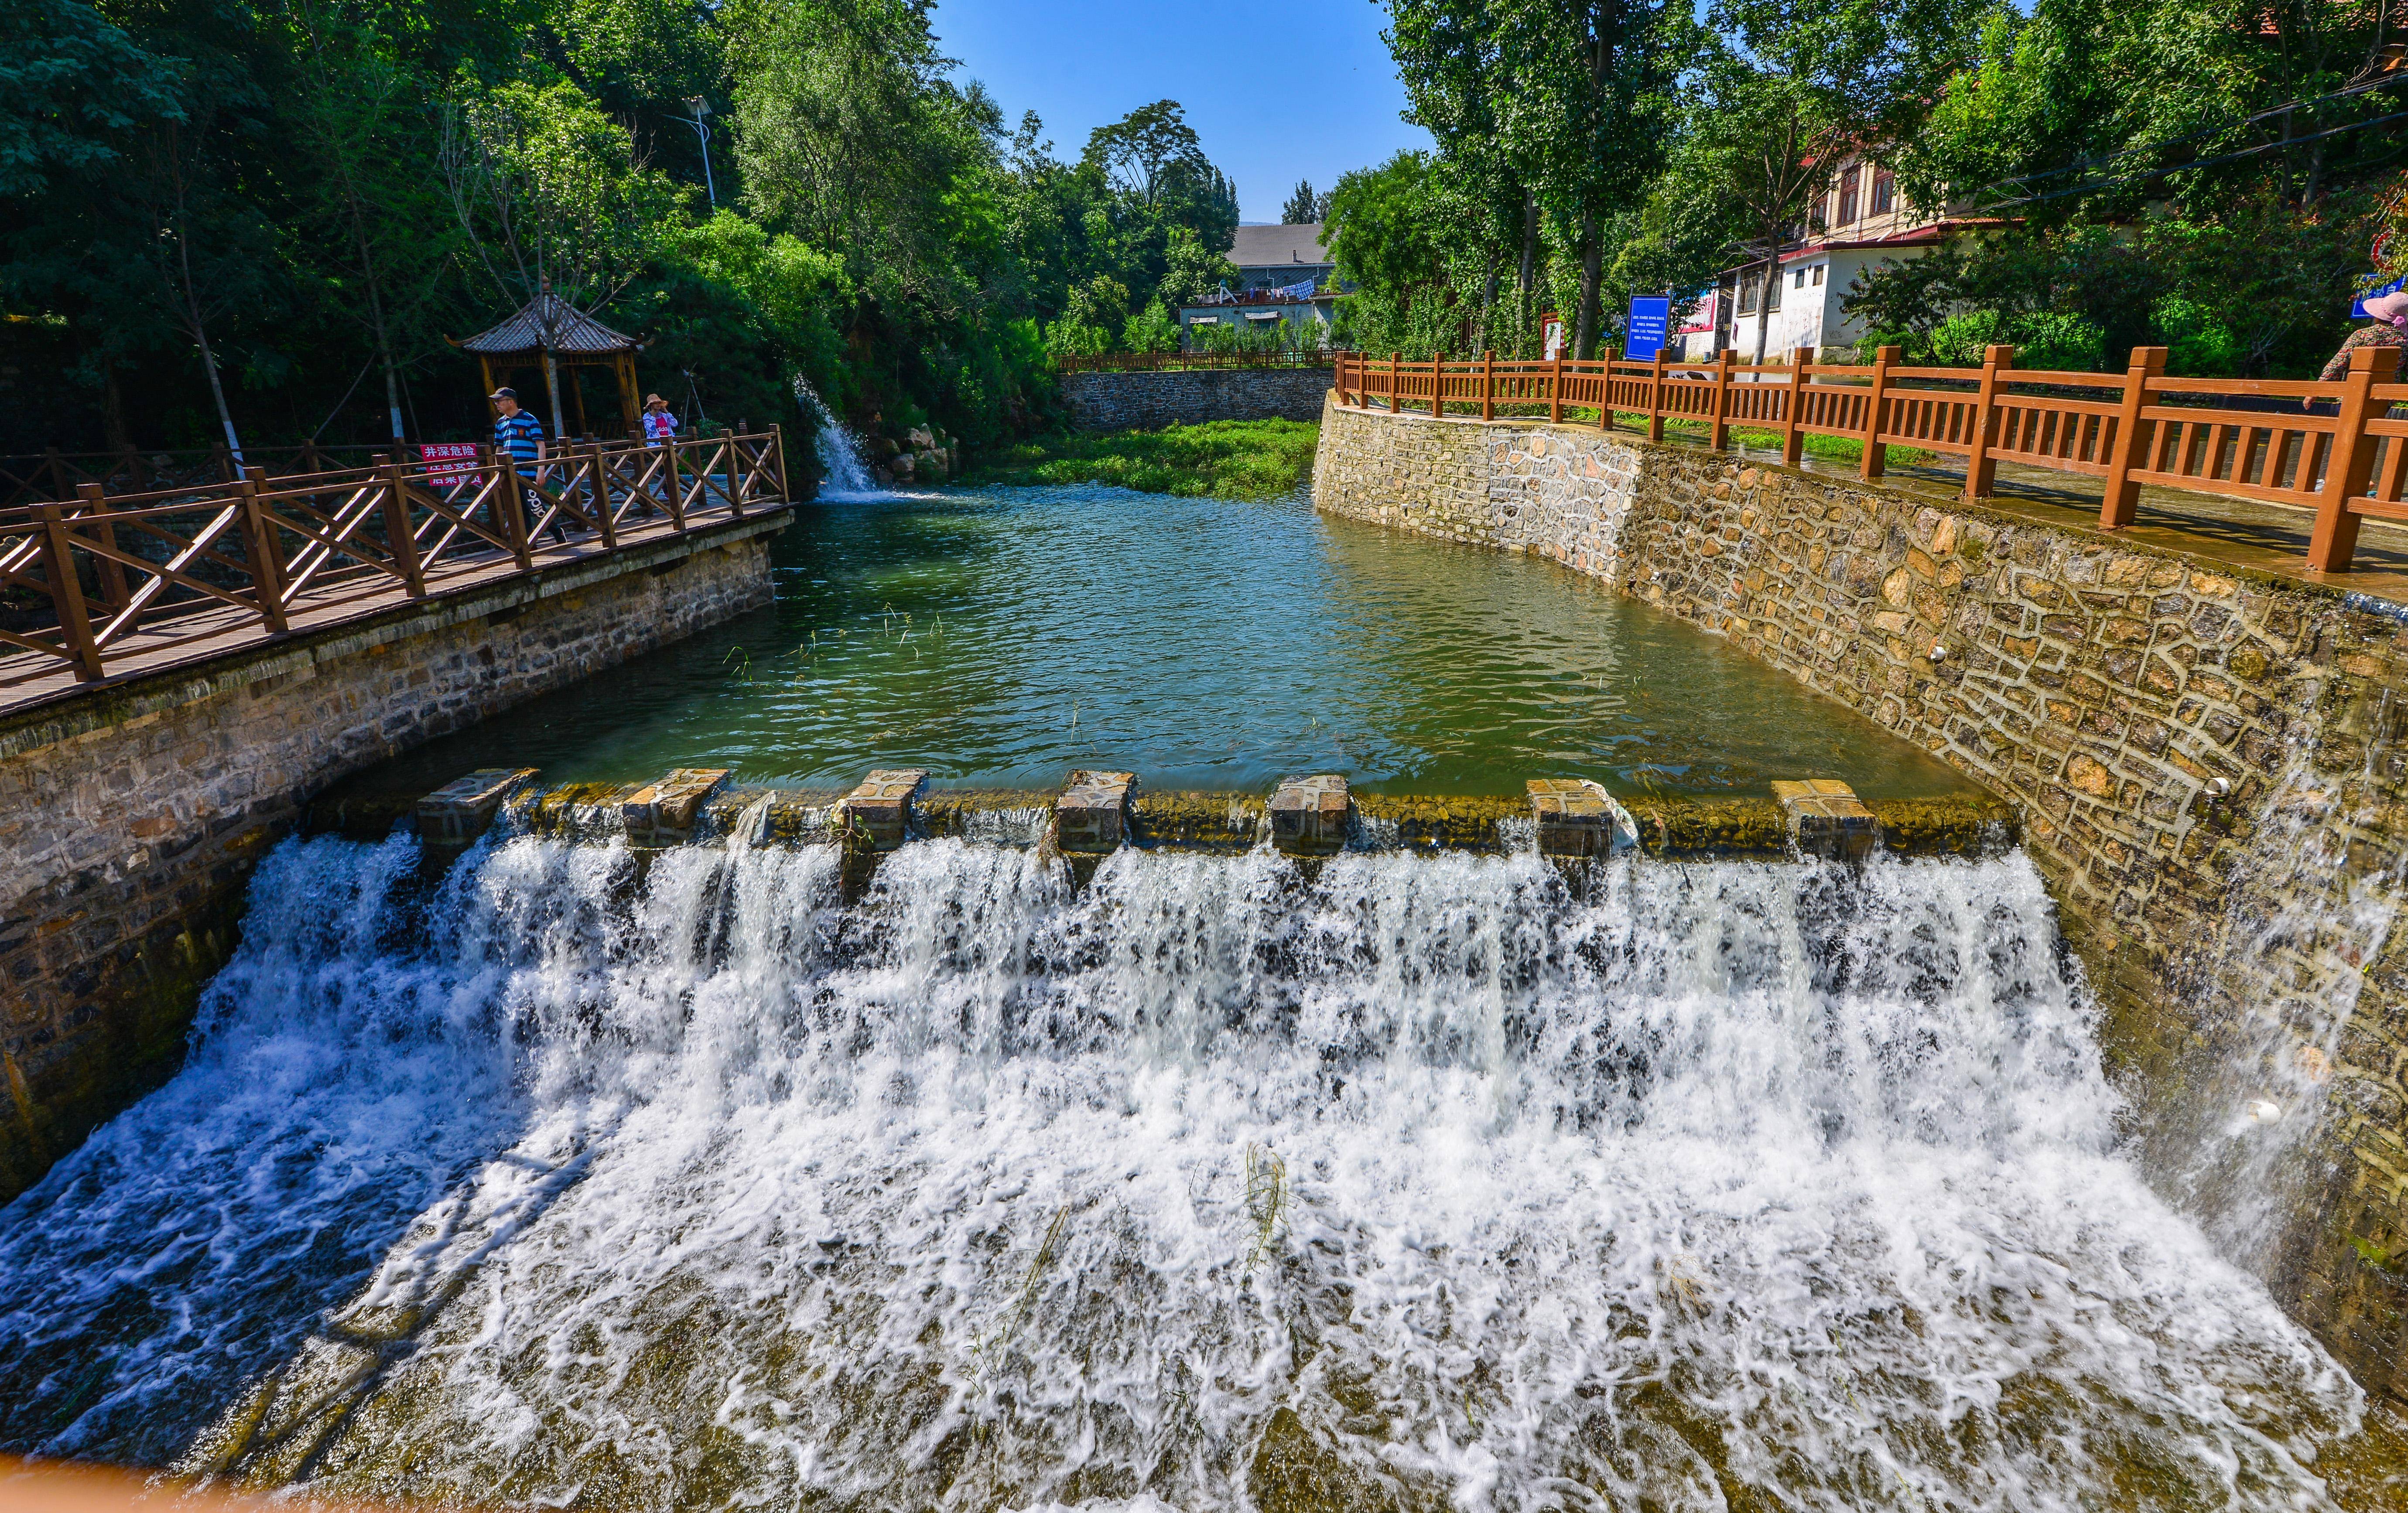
x: 1885, y: 192
x: 1747, y: 294
x: 1848, y: 181
x: 1774, y: 303
x: 1801, y: 276
x: 1819, y: 276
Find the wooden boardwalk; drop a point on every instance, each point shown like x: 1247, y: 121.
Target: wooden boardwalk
x: 110, y: 590
x: 192, y: 641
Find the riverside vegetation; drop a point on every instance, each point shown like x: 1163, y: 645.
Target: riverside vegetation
x: 1219, y: 459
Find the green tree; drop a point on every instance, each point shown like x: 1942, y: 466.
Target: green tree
x: 1304, y: 207
x: 553, y: 202
x: 1583, y: 106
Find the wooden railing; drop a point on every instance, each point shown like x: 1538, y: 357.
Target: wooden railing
x: 2335, y: 450
x: 1165, y: 362
x: 94, y: 580
x: 59, y: 474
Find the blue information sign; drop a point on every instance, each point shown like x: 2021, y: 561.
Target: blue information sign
x: 1650, y: 321
x: 2357, y: 305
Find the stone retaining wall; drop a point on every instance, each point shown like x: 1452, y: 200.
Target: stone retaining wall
x: 2207, y: 763
x: 1149, y: 401
x: 130, y: 817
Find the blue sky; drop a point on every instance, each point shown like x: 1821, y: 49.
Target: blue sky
x: 1302, y: 89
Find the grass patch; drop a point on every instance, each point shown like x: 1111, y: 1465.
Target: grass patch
x: 1222, y: 459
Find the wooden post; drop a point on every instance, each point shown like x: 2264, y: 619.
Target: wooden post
x: 66, y: 593
x: 1656, y: 399
x: 112, y: 571
x: 265, y: 553
x: 1437, y: 384
x: 1605, y: 386
x: 1981, y: 468
x: 1488, y: 383
x: 2350, y: 470
x: 1555, y: 392
x: 1876, y: 456
x: 778, y: 448
x: 677, y: 485
x: 599, y: 477
x: 1793, y: 437
x: 2122, y: 499
x: 397, y: 536
x: 510, y: 501
x: 1396, y: 366
x: 1718, y: 436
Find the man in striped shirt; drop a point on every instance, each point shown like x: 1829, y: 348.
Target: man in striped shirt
x: 517, y: 431
x: 519, y: 435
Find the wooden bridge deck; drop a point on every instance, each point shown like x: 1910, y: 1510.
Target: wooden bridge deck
x: 208, y: 632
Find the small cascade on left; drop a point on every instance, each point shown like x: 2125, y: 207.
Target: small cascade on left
x: 846, y: 472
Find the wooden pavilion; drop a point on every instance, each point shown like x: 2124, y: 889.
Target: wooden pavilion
x: 575, y: 340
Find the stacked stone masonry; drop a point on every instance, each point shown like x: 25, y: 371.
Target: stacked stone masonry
x: 1149, y: 401
x: 2208, y: 765
x: 131, y: 816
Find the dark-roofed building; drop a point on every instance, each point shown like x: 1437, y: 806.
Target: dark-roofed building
x: 1283, y: 274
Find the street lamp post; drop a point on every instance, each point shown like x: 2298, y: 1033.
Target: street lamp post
x: 701, y: 109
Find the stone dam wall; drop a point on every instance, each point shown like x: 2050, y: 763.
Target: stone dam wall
x: 1149, y: 401
x: 131, y: 816
x: 2208, y: 765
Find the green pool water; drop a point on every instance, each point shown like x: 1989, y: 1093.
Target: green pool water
x: 999, y: 638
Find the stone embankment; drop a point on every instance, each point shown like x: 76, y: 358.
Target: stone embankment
x: 1189, y: 396
x: 2207, y: 762
x: 131, y: 816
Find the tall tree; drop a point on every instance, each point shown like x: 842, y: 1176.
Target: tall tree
x: 1449, y: 55
x: 1585, y: 106
x: 361, y: 116
x: 553, y: 202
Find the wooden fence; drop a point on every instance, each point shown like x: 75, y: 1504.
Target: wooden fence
x: 1167, y: 362
x: 90, y: 583
x: 2335, y: 450
x: 59, y: 474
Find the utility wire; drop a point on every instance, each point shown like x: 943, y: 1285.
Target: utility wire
x: 2195, y: 163
x: 2288, y: 107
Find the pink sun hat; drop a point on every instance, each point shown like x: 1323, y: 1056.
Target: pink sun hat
x: 2392, y: 306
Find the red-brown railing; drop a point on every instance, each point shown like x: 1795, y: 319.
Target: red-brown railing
x: 108, y: 576
x: 1165, y: 362
x: 59, y: 474
x: 2334, y: 449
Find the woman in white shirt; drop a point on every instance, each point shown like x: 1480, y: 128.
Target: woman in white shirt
x: 659, y: 424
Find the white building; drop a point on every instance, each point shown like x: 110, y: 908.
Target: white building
x: 1859, y: 223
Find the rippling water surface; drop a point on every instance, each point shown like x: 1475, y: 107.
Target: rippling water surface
x: 999, y: 638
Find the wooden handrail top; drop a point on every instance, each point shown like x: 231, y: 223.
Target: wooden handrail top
x: 2267, y: 388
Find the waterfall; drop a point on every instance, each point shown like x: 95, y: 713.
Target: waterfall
x: 846, y: 472
x: 691, y: 1179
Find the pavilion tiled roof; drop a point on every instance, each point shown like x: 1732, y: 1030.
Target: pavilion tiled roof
x: 572, y: 331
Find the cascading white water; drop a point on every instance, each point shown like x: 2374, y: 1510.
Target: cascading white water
x: 1420, y: 1182
x: 842, y: 466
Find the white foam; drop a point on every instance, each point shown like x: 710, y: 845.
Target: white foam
x: 713, y: 1188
